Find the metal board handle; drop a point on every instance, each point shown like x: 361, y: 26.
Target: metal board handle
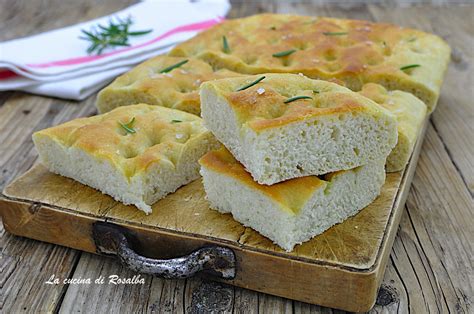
x: 111, y: 239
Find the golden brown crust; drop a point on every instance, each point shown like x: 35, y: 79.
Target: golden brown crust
x: 353, y: 51
x: 263, y: 106
x: 177, y: 89
x: 157, y: 138
x: 291, y: 195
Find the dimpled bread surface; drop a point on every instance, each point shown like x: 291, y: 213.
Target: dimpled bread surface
x: 293, y: 211
x: 135, y: 168
x: 356, y: 52
x: 177, y: 89
x: 334, y: 129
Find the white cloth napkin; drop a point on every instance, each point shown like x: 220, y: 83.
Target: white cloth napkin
x: 56, y: 63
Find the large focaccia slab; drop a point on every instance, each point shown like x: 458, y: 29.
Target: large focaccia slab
x: 293, y: 211
x: 137, y: 154
x: 356, y: 52
x: 163, y: 81
x: 286, y: 126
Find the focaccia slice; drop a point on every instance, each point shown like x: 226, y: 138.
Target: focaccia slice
x: 290, y: 212
x: 287, y: 126
x: 136, y: 154
x: 410, y: 113
x: 356, y: 52
x: 161, y: 81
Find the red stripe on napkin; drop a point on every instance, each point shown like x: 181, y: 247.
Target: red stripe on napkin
x: 7, y: 74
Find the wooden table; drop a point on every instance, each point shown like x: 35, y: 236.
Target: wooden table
x: 431, y: 264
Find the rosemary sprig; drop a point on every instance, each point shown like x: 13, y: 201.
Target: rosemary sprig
x: 409, y: 66
x: 225, y: 45
x: 296, y: 98
x: 284, y: 53
x: 335, y: 33
x: 176, y: 121
x: 251, y: 84
x: 114, y: 34
x: 174, y: 66
x: 128, y: 126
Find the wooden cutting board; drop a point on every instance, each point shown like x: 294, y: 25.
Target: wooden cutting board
x: 341, y: 268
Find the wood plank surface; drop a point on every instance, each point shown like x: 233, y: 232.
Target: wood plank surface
x: 430, y: 268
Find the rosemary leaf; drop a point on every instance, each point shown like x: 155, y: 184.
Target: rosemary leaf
x: 174, y: 66
x: 225, y: 44
x: 296, y: 98
x: 409, y: 66
x: 176, y: 121
x: 89, y: 35
x: 251, y: 84
x: 283, y: 53
x: 316, y: 91
x: 116, y: 33
x: 128, y: 126
x: 335, y: 33
x: 117, y: 43
x: 139, y: 33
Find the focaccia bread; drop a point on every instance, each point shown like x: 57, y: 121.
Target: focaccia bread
x: 290, y: 212
x: 277, y: 137
x: 177, y: 87
x: 356, y: 52
x: 410, y: 113
x: 137, y: 154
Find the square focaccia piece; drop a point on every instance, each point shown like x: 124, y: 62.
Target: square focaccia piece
x: 161, y: 81
x: 287, y: 126
x: 410, y: 113
x: 136, y: 154
x: 356, y: 52
x: 290, y: 212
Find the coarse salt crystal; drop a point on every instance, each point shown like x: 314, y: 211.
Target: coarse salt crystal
x: 179, y: 136
x: 260, y: 91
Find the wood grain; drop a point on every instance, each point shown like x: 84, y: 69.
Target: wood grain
x: 450, y: 147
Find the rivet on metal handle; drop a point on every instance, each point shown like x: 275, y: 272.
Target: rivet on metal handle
x: 219, y: 261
